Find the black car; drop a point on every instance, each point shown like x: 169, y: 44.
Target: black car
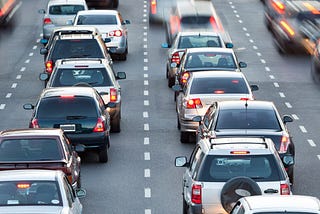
x: 248, y: 118
x: 79, y: 111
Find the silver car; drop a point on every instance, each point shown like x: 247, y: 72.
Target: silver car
x: 203, y: 89
x: 38, y: 191
x: 111, y: 25
x: 58, y: 13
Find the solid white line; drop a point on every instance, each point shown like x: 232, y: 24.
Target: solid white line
x: 281, y: 94
x: 303, y: 129
x: 2, y: 106
x: 8, y: 95
x: 145, y: 92
x: 146, y: 102
x: 147, y: 173
x: 147, y: 211
x: 146, y: 127
x: 146, y: 82
x: 311, y: 142
x: 145, y: 68
x: 23, y: 69
x: 295, y: 116
x: 288, y: 105
x: 146, y: 141
x: 145, y: 114
x: 145, y: 75
x: 147, y: 156
x: 18, y: 77
x: 276, y: 84
x: 14, y: 85
x: 147, y: 192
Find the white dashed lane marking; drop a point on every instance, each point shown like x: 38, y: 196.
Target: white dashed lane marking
x: 145, y: 114
x: 146, y: 82
x: 145, y: 68
x: 145, y: 92
x: 147, y: 156
x: 295, y: 116
x: 311, y: 142
x: 146, y: 127
x: 18, y: 77
x: 276, y: 84
x: 303, y: 129
x: 8, y: 95
x: 147, y: 211
x: 288, y: 105
x: 146, y: 102
x: 14, y: 85
x: 146, y: 141
x: 147, y: 192
x: 2, y: 106
x: 281, y: 94
x: 147, y: 173
x: 23, y: 69
x: 27, y: 61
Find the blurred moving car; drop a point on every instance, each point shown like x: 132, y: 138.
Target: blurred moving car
x: 92, y: 72
x: 294, y: 23
x: 38, y: 191
x: 220, y: 171
x: 58, y: 13
x: 103, y: 3
x: 7, y: 9
x: 159, y: 10
x: 79, y: 111
x: 111, y: 25
x: 204, y: 88
x: 40, y: 149
x: 297, y: 204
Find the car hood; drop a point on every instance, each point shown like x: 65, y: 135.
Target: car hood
x: 32, y: 210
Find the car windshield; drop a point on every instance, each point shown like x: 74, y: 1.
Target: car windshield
x: 213, y: 60
x: 97, y: 20
x: 223, y: 85
x: 26, y: 193
x: 65, y: 9
x: 247, y: 119
x: 199, y: 41
x: 66, y: 108
x: 32, y: 149
x: 92, y: 76
x: 221, y: 168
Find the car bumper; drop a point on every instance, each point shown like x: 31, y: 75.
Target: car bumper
x: 117, y: 45
x: 188, y: 125
x: 96, y: 140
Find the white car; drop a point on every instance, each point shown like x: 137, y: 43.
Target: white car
x: 297, y: 204
x: 111, y: 25
x: 38, y: 191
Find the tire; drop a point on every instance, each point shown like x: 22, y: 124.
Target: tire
x: 236, y: 188
x: 115, y: 124
x: 103, y: 155
x: 178, y: 123
x: 184, y: 206
x: 184, y: 137
x: 171, y: 82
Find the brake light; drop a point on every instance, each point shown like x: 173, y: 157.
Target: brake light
x: 194, y: 103
x: 284, y: 144
x: 49, y: 66
x: 34, y: 123
x: 116, y: 33
x: 184, y: 78
x: 196, y: 194
x: 311, y: 8
x: 239, y: 152
x: 218, y: 92
x: 284, y: 189
x: 174, y: 24
x: 278, y: 6
x: 113, y: 95
x: 67, y: 96
x: 244, y: 98
x: 23, y: 186
x: 47, y: 21
x: 153, y: 6
x: 213, y: 23
x: 285, y: 26
x: 99, y: 127
x: 175, y: 58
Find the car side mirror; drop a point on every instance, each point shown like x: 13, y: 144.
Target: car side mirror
x: 126, y: 22
x: 254, y: 87
x: 43, y: 76
x: 177, y: 88
x: 43, y: 51
x: 287, y: 119
x: 288, y: 160
x: 242, y: 64
x: 229, y: 45
x: 81, y: 193
x: 43, y: 41
x: 41, y: 11
x: 181, y: 161
x: 165, y: 45
x: 121, y: 75
x: 28, y: 106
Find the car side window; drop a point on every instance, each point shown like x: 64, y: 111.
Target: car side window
x: 69, y: 192
x: 195, y: 162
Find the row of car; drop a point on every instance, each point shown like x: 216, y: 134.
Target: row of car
x: 243, y: 146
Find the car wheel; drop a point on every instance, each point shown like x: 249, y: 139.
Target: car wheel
x: 291, y: 175
x: 79, y: 182
x: 184, y: 137
x: 236, y: 188
x: 103, y: 155
x: 171, y: 82
x: 115, y: 124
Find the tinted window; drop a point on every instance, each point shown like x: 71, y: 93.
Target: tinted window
x: 218, y: 86
x: 65, y: 9
x: 222, y: 168
x: 30, y: 150
x: 25, y: 193
x: 210, y: 60
x: 97, y: 20
x: 195, y: 20
x: 199, y: 41
x: 92, y: 76
x: 247, y: 119
x: 67, y: 108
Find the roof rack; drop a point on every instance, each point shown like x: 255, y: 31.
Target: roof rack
x: 63, y: 61
x: 237, y: 140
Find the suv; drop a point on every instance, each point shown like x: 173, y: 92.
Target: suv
x: 294, y: 23
x: 96, y: 73
x: 79, y: 111
x: 75, y: 44
x: 40, y: 149
x: 220, y: 171
x: 58, y: 13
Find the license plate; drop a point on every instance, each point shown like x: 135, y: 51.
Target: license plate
x: 68, y: 127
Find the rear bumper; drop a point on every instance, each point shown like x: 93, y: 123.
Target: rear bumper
x: 97, y: 140
x: 188, y: 125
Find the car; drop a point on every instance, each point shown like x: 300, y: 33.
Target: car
x: 220, y: 171
x: 298, y: 204
x: 58, y: 13
x: 103, y: 3
x: 79, y: 111
x: 75, y: 44
x: 40, y: 149
x: 204, y: 88
x: 38, y: 191
x: 195, y: 15
x: 315, y: 62
x: 94, y: 72
x: 7, y: 8
x: 159, y: 10
x: 111, y: 25
x: 248, y: 118
x: 294, y: 24
x: 189, y: 39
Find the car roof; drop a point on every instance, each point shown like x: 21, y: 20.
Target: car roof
x: 88, y: 62
x: 210, y: 49
x: 29, y: 174
x: 55, y: 2
x: 288, y: 203
x: 214, y: 73
x: 38, y: 132
x: 251, y: 104
x: 104, y: 12
x: 71, y: 90
x: 191, y: 32
x: 195, y: 8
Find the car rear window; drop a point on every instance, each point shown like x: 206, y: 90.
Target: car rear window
x: 220, y: 168
x: 247, y: 119
x: 76, y: 48
x: 92, y: 76
x: 67, y: 108
x: 211, y: 60
x: 97, y: 20
x: 26, y: 193
x: 195, y: 20
x: 42, y: 149
x: 65, y: 9
x: 199, y: 41
x: 214, y: 85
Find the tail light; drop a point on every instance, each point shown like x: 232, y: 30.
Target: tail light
x: 278, y: 6
x: 116, y: 33
x: 287, y: 28
x: 284, y: 144
x: 99, y: 127
x: 47, y: 21
x: 213, y: 23
x: 68, y: 172
x: 175, y: 58
x: 174, y: 24
x: 49, y: 66
x: 153, y: 6
x: 34, y: 123
x: 284, y: 189
x: 194, y: 103
x: 184, y: 77
x: 113, y: 95
x: 196, y: 194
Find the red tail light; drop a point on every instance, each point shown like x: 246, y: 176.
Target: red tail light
x: 113, y: 95
x: 278, y: 6
x: 194, y: 103
x: 49, y: 66
x: 175, y: 58
x: 174, y: 24
x: 284, y: 189
x: 99, y: 126
x: 47, y: 21
x: 213, y: 23
x: 244, y: 98
x: 153, y: 5
x: 34, y: 123
x: 116, y: 33
x: 287, y: 28
x: 184, y: 78
x: 284, y: 144
x: 196, y: 194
